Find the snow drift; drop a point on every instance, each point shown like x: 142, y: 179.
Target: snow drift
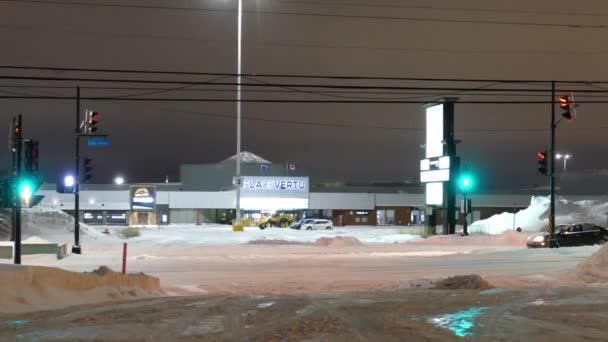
x: 29, y: 288
x: 49, y: 223
x: 595, y: 268
x: 535, y: 218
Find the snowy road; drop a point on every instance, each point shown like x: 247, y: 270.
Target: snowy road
x: 191, y: 260
x: 504, y: 314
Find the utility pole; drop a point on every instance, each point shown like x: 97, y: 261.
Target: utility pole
x: 76, y: 249
x: 552, y: 241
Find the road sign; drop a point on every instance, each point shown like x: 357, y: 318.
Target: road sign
x: 98, y: 141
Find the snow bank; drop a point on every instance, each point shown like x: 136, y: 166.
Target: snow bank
x: 44, y: 222
x: 535, y: 217
x: 339, y: 241
x: 221, y: 235
x: 28, y: 288
x: 463, y: 282
x: 508, y: 238
x: 595, y: 268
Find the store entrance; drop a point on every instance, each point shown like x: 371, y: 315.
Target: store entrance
x: 141, y: 219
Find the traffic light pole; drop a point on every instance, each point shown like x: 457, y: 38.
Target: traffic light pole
x: 14, y: 173
x: 76, y: 249
x: 17, y: 208
x: 552, y: 241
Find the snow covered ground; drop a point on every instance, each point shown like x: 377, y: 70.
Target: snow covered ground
x: 215, y: 234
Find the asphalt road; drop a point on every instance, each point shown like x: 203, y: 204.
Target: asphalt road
x: 539, y: 314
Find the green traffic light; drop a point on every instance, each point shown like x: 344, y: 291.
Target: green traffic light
x: 467, y: 183
x: 25, y: 190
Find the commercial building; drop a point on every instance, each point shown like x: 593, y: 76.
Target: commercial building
x: 206, y: 194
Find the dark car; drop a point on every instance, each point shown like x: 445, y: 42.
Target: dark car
x: 579, y: 234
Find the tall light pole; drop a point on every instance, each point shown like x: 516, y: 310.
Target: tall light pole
x: 238, y: 114
x: 565, y: 157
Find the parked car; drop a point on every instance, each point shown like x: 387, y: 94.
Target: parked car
x: 317, y: 224
x: 578, y: 234
x: 298, y: 225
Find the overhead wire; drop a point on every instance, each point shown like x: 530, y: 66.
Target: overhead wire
x: 323, y: 15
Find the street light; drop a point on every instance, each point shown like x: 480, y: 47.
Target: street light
x: 565, y: 157
x: 238, y: 117
x: 119, y: 180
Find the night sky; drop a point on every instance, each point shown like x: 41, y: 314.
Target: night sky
x: 356, y: 142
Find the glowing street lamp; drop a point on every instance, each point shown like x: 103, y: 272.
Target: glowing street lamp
x: 565, y: 157
x: 119, y: 180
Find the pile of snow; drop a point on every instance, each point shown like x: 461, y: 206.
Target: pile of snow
x: 28, y: 288
x: 508, y: 238
x: 34, y: 240
x: 464, y: 282
x: 595, y: 268
x: 535, y: 217
x: 339, y: 241
x: 52, y: 223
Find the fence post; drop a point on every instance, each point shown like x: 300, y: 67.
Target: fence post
x: 124, y: 258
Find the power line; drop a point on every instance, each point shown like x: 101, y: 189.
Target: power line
x: 301, y: 85
x: 323, y: 15
x: 270, y: 90
x: 380, y: 101
x: 331, y: 77
x: 453, y: 9
x: 394, y: 128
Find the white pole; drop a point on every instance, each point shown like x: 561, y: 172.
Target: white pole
x: 238, y: 116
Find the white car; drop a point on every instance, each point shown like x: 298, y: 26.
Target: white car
x: 317, y: 224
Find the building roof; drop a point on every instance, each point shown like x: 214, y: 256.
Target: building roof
x: 248, y: 158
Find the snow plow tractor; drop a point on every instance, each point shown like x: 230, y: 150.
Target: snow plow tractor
x: 277, y: 220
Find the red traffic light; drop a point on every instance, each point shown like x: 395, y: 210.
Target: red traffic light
x: 541, y: 155
x: 542, y: 162
x: 95, y: 117
x: 564, y: 101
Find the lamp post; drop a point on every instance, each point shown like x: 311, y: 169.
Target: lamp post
x: 565, y: 157
x: 238, y: 117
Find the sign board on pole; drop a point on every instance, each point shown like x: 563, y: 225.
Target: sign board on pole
x: 98, y: 141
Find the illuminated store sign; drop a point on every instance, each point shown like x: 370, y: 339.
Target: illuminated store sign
x: 299, y: 184
x: 143, y: 198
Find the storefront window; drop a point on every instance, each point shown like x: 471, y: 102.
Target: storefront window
x: 385, y: 217
x: 92, y: 217
x: 116, y: 217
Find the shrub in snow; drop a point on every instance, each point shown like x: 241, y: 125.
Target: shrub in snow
x: 130, y: 232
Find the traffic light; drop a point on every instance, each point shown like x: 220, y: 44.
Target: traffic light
x: 31, y: 156
x: 566, y: 103
x: 466, y: 182
x: 87, y: 166
x: 93, y: 121
x: 14, y: 135
x: 23, y: 191
x: 68, y: 185
x: 542, y: 162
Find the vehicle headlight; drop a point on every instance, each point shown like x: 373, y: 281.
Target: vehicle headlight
x: 538, y: 238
